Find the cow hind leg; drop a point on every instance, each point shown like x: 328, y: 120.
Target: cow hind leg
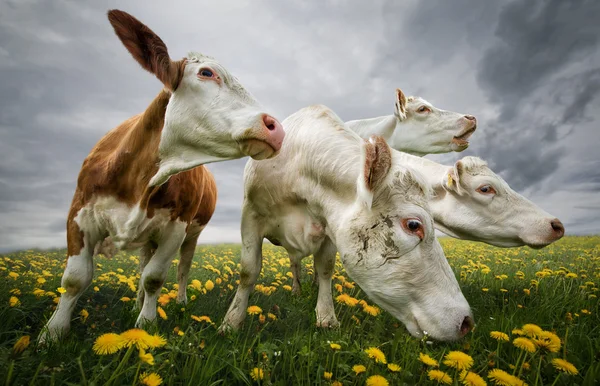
x: 324, y: 267
x: 295, y: 268
x: 155, y: 272
x: 251, y: 264
x: 186, y: 255
x: 76, y: 278
x: 146, y: 254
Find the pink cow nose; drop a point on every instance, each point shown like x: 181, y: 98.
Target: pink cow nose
x: 557, y: 228
x: 275, y: 133
x: 466, y: 326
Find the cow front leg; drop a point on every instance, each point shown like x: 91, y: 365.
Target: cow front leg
x: 251, y: 264
x: 186, y: 255
x: 155, y: 272
x: 146, y: 254
x: 324, y: 267
x: 76, y: 278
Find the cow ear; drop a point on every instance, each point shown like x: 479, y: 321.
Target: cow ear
x: 400, y: 105
x: 377, y: 164
x: 146, y: 48
x: 452, y: 179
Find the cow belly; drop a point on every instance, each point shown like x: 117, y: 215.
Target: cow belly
x: 297, y: 231
x: 107, y: 216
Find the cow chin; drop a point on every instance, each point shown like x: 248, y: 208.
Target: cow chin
x: 257, y: 149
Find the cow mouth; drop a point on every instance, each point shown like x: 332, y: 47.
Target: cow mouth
x: 463, y: 139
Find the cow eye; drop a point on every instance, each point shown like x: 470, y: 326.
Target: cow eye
x: 414, y: 226
x: 424, y: 109
x: 207, y: 73
x: 486, y: 189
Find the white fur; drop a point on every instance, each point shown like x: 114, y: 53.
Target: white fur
x: 314, y: 181
x: 415, y: 132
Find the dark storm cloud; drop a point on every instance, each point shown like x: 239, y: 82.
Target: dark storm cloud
x: 529, y: 70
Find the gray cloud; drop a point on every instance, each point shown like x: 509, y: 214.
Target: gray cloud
x: 529, y: 70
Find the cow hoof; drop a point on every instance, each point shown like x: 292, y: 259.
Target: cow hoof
x: 182, y: 300
x: 225, y: 329
x: 328, y: 323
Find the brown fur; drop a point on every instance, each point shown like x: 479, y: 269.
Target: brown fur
x: 122, y: 164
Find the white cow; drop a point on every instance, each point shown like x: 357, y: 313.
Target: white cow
x: 330, y: 190
x: 419, y: 128
x: 471, y: 202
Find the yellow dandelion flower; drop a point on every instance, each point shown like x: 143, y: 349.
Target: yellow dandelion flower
x: 21, y: 344
x: 359, y: 369
x: 564, y: 366
x: 125, y: 299
x: 161, y: 313
x: 254, y: 310
x: 209, y: 285
x: 108, y: 343
x: 371, y: 310
x: 427, y: 360
x: 518, y: 331
x: 327, y: 375
x: 472, y: 379
x: 61, y: 290
x: 377, y: 380
x: 439, y: 376
x: 84, y: 315
x: 203, y: 318
x: 96, y: 289
x: 394, y: 368
x: 146, y: 357
x: 13, y: 275
x: 458, y: 360
x: 271, y: 316
x: 548, y: 341
x: 155, y: 341
x: 137, y: 337
x: 526, y: 291
x: 257, y: 373
x: 376, y: 354
x: 498, y: 335
x: 524, y: 344
x: 531, y: 329
x: 287, y: 287
x: 502, y: 378
x: 335, y: 346
x: 336, y: 383
x: 14, y: 301
x: 150, y: 379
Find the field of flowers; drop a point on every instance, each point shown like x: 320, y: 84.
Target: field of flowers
x: 536, y: 313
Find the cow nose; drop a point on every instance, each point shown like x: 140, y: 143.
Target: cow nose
x: 558, y: 228
x: 471, y: 118
x: 275, y: 133
x: 466, y: 326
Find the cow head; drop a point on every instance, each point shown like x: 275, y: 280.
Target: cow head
x: 422, y: 128
x: 210, y: 116
x: 474, y: 203
x: 388, y: 246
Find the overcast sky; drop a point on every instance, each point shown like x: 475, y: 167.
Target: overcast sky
x: 529, y: 70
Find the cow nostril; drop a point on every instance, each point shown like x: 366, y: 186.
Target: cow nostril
x: 466, y: 326
x: 470, y: 117
x: 269, y: 122
x: 558, y: 227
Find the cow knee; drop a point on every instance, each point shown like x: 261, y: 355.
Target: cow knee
x: 152, y: 284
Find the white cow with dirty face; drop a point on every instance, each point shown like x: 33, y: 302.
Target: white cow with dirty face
x: 141, y: 183
x: 419, y: 128
x: 471, y: 202
x: 328, y: 190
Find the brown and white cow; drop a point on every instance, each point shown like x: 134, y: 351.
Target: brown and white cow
x: 141, y: 183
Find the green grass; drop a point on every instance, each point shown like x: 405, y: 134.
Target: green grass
x: 291, y: 350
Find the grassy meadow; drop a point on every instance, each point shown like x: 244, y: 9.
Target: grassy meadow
x: 534, y: 310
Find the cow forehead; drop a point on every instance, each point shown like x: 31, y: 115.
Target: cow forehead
x: 230, y: 80
x: 416, y: 100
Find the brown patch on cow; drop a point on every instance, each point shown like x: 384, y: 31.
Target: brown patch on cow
x: 146, y: 48
x: 378, y: 161
x: 122, y: 164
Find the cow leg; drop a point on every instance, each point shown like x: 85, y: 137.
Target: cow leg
x: 251, y: 264
x: 146, y: 254
x: 155, y: 272
x: 186, y: 255
x: 76, y: 278
x: 324, y: 266
x: 295, y: 268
